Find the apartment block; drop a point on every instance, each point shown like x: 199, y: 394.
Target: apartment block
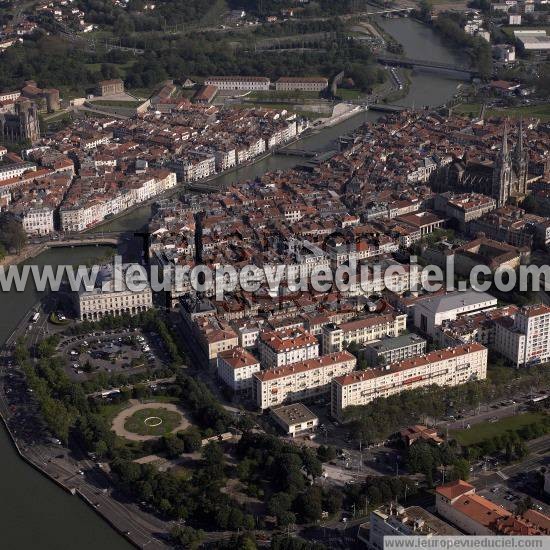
x: 449, y: 367
x: 361, y: 331
x: 299, y: 381
x: 524, y: 339
x: 287, y: 346
x: 236, y: 367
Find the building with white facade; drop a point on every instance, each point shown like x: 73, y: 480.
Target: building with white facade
x: 14, y: 170
x: 79, y: 213
x: 448, y: 367
x: 244, y: 83
x: 111, y: 298
x: 524, y: 339
x: 434, y: 310
x: 299, y: 381
x: 471, y: 513
x: 236, y: 367
x: 37, y: 220
x: 287, y: 346
x: 360, y: 331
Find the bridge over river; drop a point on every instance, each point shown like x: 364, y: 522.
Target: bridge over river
x: 408, y: 63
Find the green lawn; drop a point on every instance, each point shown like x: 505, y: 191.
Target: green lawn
x: 488, y: 430
x: 535, y: 111
x: 345, y: 93
x: 143, y: 422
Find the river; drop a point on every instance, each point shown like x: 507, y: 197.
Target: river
x: 35, y: 513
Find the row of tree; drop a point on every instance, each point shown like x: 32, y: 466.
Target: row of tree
x: 384, y: 416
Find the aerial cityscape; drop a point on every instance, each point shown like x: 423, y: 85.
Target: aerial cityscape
x: 275, y: 274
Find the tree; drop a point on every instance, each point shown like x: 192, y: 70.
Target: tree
x: 173, y: 445
x: 213, y: 461
x: 461, y: 469
x: 312, y: 464
x: 279, y: 504
x: 12, y: 234
x: 191, y: 438
x: 187, y: 537
x: 308, y: 505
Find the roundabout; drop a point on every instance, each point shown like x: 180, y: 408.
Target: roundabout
x: 144, y: 421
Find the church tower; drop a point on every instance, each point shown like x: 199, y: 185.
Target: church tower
x: 502, y: 172
x: 520, y: 163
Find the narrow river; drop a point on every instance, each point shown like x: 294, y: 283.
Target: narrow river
x: 35, y: 512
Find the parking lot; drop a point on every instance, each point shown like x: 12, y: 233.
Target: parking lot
x: 116, y: 351
x: 509, y: 497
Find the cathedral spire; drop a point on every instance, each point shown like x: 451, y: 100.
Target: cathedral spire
x: 505, y: 141
x: 519, y: 146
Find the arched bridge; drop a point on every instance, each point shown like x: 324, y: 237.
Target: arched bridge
x: 423, y: 64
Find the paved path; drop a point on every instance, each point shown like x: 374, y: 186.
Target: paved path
x: 122, y: 417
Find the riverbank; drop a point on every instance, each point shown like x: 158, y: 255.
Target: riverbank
x: 28, y: 252
x: 58, y: 464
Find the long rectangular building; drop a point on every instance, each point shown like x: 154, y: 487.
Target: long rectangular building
x: 260, y: 83
x: 301, y: 83
x: 300, y: 381
x: 447, y: 367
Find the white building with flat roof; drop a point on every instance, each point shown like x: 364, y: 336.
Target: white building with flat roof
x: 434, y: 310
x: 106, y: 298
x: 533, y: 39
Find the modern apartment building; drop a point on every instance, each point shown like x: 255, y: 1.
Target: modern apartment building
x: 299, y: 381
x: 245, y: 83
x: 361, y: 331
x: 448, y: 367
x: 287, y: 346
x: 525, y: 338
x: 236, y: 367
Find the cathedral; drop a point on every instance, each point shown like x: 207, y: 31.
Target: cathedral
x: 504, y: 178
x: 22, y: 125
